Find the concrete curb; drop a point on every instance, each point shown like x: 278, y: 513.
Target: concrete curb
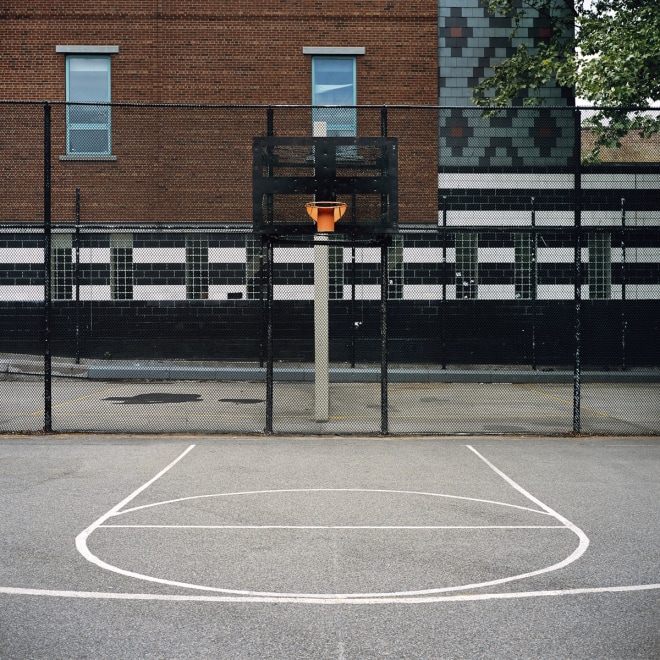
x: 347, y: 375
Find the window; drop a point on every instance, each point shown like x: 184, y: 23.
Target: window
x: 466, y: 266
x: 525, y: 266
x: 253, y: 267
x: 197, y: 267
x: 61, y: 267
x: 395, y: 269
x: 333, y: 83
x: 336, y: 266
x: 121, y: 266
x: 88, y: 126
x: 600, y: 265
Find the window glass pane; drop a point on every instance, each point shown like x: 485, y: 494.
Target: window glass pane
x: 89, y: 114
x: 89, y: 141
x: 334, y: 81
x: 89, y: 79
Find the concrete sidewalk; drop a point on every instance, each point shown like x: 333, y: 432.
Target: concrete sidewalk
x: 304, y: 372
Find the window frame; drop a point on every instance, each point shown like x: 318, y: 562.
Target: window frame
x: 105, y: 126
x: 197, y: 267
x: 121, y: 266
x: 61, y: 267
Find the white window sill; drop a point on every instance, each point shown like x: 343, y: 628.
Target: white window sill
x: 88, y: 157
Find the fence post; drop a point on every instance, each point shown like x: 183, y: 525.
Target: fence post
x: 48, y: 417
x: 624, y: 323
x: 534, y: 278
x: 269, y: 334
x: 443, y: 346
x: 384, y: 290
x: 268, y: 240
x: 77, y: 274
x: 577, y: 201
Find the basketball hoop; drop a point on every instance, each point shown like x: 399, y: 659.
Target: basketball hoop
x: 325, y: 214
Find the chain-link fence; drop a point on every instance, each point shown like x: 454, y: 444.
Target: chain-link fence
x: 517, y: 292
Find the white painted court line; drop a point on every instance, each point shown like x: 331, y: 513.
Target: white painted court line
x: 81, y: 543
x: 332, y: 490
x: 465, y: 598
x: 431, y: 596
x: 360, y: 527
x: 81, y: 539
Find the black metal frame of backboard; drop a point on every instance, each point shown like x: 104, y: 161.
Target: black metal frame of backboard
x: 315, y: 174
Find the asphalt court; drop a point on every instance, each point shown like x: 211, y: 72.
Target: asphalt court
x: 226, y: 407
x: 545, y: 535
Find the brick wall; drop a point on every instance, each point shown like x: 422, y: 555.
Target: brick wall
x: 188, y: 165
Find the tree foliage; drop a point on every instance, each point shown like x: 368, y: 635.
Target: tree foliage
x: 606, y: 51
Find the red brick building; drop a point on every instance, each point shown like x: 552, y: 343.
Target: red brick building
x: 151, y: 163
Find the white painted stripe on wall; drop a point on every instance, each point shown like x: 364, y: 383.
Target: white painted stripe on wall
x: 159, y: 292
x: 227, y: 255
x: 643, y: 218
x: 505, y: 180
x: 363, y: 292
x: 553, y: 255
x: 495, y: 218
x: 601, y: 218
x: 608, y: 181
x: 293, y: 255
x: 554, y: 292
x: 293, y: 292
x: 418, y: 255
x: 95, y: 292
x: 637, y: 255
x: 497, y: 292
x: 94, y: 255
x: 422, y: 291
x: 643, y: 292
x: 221, y: 291
x: 363, y: 255
x: 647, y: 181
x: 496, y: 255
x: 555, y: 218
x: 27, y: 292
x: 32, y: 255
x: 157, y: 255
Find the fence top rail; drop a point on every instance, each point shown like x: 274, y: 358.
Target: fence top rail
x: 266, y: 106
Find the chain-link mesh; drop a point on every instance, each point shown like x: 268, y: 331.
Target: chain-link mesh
x: 519, y: 294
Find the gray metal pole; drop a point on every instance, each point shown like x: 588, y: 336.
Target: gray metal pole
x: 384, y: 288
x: 321, y: 332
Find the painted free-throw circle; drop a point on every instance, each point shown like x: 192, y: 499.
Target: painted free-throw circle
x: 306, y: 512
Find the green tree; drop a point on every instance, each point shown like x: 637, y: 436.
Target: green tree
x: 606, y: 51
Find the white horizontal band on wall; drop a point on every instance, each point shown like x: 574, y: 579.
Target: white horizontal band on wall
x: 159, y: 255
x: 505, y: 180
x: 25, y: 255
